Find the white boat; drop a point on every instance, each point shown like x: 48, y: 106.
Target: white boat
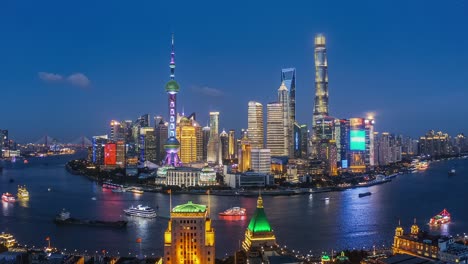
x: 141, y: 211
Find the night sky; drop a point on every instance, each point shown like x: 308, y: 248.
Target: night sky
x: 68, y: 67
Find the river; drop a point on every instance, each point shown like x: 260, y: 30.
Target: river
x: 300, y: 222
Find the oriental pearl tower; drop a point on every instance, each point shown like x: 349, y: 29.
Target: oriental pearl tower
x: 172, y: 88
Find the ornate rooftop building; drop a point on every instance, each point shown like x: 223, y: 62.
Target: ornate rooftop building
x: 259, y: 236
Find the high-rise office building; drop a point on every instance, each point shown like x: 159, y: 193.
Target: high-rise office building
x: 116, y: 131
x: 143, y: 121
x: 434, y: 144
x: 213, y: 143
x: 98, y: 149
x: 150, y: 146
x: 288, y: 77
x: 276, y: 139
x: 321, y: 111
x: 369, y: 128
x: 4, y: 141
x: 189, y: 237
x: 127, y: 130
x: 283, y: 99
x: 244, y: 155
x: 232, y: 144
x: 205, y: 139
x: 224, y: 141
x: 255, y: 124
x: 260, y: 160
x: 186, y: 135
x: 172, y: 88
x: 160, y: 137
x: 120, y: 154
x: 304, y: 139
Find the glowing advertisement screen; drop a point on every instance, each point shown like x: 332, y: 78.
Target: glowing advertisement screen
x: 110, y: 154
x: 357, y: 140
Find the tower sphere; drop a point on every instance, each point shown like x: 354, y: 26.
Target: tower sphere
x: 172, y: 87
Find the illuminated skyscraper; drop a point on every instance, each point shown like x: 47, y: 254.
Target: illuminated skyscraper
x: 189, y: 237
x: 321, y: 77
x: 232, y: 144
x: 161, y: 137
x: 205, y: 139
x: 276, y: 140
x: 288, y: 77
x: 116, y: 131
x: 244, y: 155
x: 224, y: 141
x: 186, y: 135
x: 283, y: 99
x: 255, y: 124
x: 213, y: 143
x: 172, y: 88
x: 320, y: 119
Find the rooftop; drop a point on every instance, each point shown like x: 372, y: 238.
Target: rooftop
x: 189, y: 207
x: 259, y: 221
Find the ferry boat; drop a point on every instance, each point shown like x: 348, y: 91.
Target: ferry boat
x: 23, y: 192
x: 421, y: 166
x: 136, y: 190
x: 364, y: 194
x: 234, y: 211
x: 111, y: 185
x: 440, y: 219
x: 8, y: 197
x: 7, y: 240
x: 141, y: 211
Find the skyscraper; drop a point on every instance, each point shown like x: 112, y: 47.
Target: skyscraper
x: 283, y: 99
x: 260, y: 160
x: 116, y: 131
x: 172, y: 88
x: 189, y: 237
x: 320, y: 118
x: 161, y: 137
x: 245, y: 149
x: 255, y: 124
x: 224, y: 140
x: 213, y: 143
x: 205, y: 139
x: 276, y: 140
x: 321, y: 78
x: 188, y: 141
x: 232, y: 144
x: 288, y: 77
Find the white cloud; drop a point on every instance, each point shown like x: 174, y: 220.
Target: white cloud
x: 209, y: 91
x: 75, y: 79
x: 50, y: 77
x: 79, y: 79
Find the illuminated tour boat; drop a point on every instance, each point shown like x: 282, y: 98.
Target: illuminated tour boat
x: 233, y: 213
x: 8, y: 197
x: 141, y: 211
x: 23, y: 192
x: 441, y: 218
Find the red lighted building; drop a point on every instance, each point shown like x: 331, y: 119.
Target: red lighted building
x: 110, y: 154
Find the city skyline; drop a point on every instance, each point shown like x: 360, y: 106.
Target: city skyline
x: 92, y: 82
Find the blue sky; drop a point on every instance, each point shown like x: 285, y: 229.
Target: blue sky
x: 404, y: 60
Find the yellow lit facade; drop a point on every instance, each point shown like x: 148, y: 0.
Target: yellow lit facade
x: 187, y: 136
x: 189, y: 237
x: 244, y: 154
x: 417, y: 243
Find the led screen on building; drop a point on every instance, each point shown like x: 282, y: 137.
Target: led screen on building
x: 357, y: 140
x: 110, y: 154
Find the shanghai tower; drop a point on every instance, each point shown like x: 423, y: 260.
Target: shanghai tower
x: 172, y: 88
x: 321, y: 78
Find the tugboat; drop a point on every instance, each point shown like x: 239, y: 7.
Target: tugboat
x: 364, y: 194
x: 8, y: 197
x: 452, y: 172
x: 64, y: 218
x: 440, y: 219
x: 23, y: 193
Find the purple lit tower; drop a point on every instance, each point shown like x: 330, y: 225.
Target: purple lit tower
x: 172, y: 144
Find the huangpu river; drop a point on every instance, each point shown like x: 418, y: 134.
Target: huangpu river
x: 301, y: 222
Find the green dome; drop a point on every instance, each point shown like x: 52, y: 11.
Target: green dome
x: 189, y: 208
x: 172, y: 86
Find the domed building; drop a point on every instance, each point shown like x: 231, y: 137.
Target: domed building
x: 259, y: 236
